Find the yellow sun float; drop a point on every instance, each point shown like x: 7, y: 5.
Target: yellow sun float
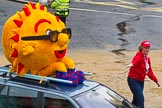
x: 35, y: 41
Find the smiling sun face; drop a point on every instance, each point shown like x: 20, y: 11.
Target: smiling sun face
x: 33, y: 39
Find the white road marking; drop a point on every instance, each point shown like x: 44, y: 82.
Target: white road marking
x: 97, y: 11
x: 123, y: 4
x: 117, y: 13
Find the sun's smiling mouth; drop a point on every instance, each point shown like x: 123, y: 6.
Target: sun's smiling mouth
x: 60, y: 54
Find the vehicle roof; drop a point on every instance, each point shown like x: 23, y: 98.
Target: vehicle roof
x: 51, y: 87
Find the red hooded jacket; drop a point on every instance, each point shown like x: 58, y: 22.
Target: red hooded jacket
x: 138, y: 70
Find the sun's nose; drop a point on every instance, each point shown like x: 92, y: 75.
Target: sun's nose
x: 63, y: 39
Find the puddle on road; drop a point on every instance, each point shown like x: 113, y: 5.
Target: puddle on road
x: 124, y: 26
x: 124, y: 42
x: 124, y: 29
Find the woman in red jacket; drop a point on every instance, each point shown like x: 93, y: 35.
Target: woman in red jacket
x: 140, y: 67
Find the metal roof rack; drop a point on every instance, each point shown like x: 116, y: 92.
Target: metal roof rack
x: 6, y: 74
x: 35, y: 77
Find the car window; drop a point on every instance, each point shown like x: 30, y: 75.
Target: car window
x: 18, y: 98
x: 54, y: 101
x: 102, y: 97
x: 3, y: 95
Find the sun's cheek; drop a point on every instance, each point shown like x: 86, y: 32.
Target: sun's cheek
x: 43, y: 47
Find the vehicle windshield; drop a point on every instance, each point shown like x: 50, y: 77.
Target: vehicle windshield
x: 102, y: 97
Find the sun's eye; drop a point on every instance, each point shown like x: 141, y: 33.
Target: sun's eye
x: 48, y: 32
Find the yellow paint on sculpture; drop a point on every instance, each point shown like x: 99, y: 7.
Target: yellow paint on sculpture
x: 41, y: 57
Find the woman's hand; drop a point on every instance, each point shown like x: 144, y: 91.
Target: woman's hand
x: 130, y: 65
x: 158, y: 84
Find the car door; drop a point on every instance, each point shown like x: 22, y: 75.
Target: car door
x: 56, y: 101
x: 16, y: 97
x: 22, y: 97
x: 2, y: 97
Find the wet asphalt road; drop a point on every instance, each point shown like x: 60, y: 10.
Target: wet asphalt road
x: 103, y: 26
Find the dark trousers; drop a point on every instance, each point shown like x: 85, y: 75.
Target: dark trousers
x: 136, y: 88
x: 62, y: 18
